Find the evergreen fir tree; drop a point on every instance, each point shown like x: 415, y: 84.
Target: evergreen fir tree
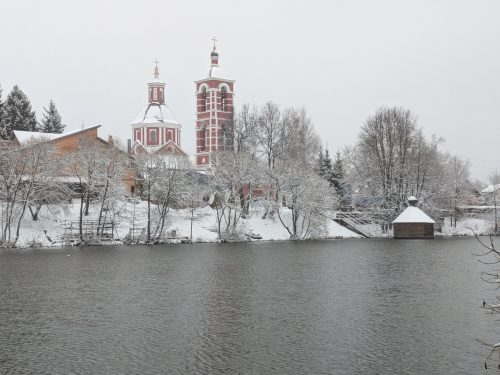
x: 319, y: 165
x: 339, y: 182
x: 51, y: 121
x: 18, y: 112
x: 327, y: 165
x: 3, y: 123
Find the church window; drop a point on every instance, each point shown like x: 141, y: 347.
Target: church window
x: 223, y: 98
x: 203, y: 132
x: 203, y: 99
x: 152, y: 136
x: 155, y: 94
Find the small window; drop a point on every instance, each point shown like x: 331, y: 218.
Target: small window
x: 152, y: 136
x: 155, y: 94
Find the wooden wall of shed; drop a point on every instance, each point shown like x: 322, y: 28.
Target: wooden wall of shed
x: 413, y: 230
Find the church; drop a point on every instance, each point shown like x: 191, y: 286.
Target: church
x: 156, y: 129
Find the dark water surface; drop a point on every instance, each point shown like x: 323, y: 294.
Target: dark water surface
x: 326, y: 307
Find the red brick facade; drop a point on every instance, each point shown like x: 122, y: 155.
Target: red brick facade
x: 214, y: 115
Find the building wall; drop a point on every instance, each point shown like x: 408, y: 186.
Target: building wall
x: 413, y: 230
x: 214, y: 124
x: 69, y: 144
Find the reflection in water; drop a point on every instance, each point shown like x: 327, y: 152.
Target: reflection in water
x: 343, y: 307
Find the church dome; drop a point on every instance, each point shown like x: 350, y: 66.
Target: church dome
x: 159, y: 114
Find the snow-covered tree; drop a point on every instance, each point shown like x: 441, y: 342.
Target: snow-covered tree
x: 245, y: 129
x: 51, y: 120
x: 304, y: 202
x: 303, y: 144
x: 166, y: 182
x: 393, y: 160
x: 84, y: 166
x: 115, y: 166
x: 236, y: 178
x: 458, y: 171
x: 3, y: 118
x: 272, y: 134
x: 18, y: 113
x: 495, y: 189
x: 327, y: 169
x: 27, y: 180
x: 339, y: 182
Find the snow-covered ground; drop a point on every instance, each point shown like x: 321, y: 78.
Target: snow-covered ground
x: 49, y: 228
x: 467, y: 227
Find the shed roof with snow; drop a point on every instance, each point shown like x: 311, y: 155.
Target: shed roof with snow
x: 413, y: 223
x: 413, y: 214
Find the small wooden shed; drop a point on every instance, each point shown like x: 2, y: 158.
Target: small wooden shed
x: 413, y: 223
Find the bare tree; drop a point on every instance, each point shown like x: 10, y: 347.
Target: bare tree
x: 236, y: 178
x: 305, y: 201
x: 165, y: 179
x: 27, y: 181
x: 272, y: 133
x: 495, y: 183
x: 492, y: 256
x: 393, y: 160
x: 459, y: 171
x: 245, y: 129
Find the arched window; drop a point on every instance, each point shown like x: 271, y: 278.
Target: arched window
x: 203, y: 136
x: 203, y: 99
x: 223, y: 98
x: 152, y: 136
x: 155, y: 94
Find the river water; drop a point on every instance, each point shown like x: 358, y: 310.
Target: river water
x: 319, y: 307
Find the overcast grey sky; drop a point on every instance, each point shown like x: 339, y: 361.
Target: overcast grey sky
x: 341, y: 60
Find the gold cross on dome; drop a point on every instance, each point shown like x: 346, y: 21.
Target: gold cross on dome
x: 214, y: 40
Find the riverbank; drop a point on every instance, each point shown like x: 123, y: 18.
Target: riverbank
x: 53, y: 222
x: 51, y: 227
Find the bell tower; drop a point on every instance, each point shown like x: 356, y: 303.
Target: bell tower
x: 156, y: 88
x: 214, y: 113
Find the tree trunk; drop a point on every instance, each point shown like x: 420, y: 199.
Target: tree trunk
x: 148, y: 238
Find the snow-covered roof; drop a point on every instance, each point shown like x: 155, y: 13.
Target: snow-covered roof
x: 490, y: 189
x: 413, y: 214
x: 169, y: 145
x: 25, y: 136
x: 156, y: 113
x: 217, y: 72
x: 156, y: 81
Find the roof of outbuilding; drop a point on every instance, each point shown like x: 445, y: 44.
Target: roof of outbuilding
x: 26, y: 136
x: 413, y: 215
